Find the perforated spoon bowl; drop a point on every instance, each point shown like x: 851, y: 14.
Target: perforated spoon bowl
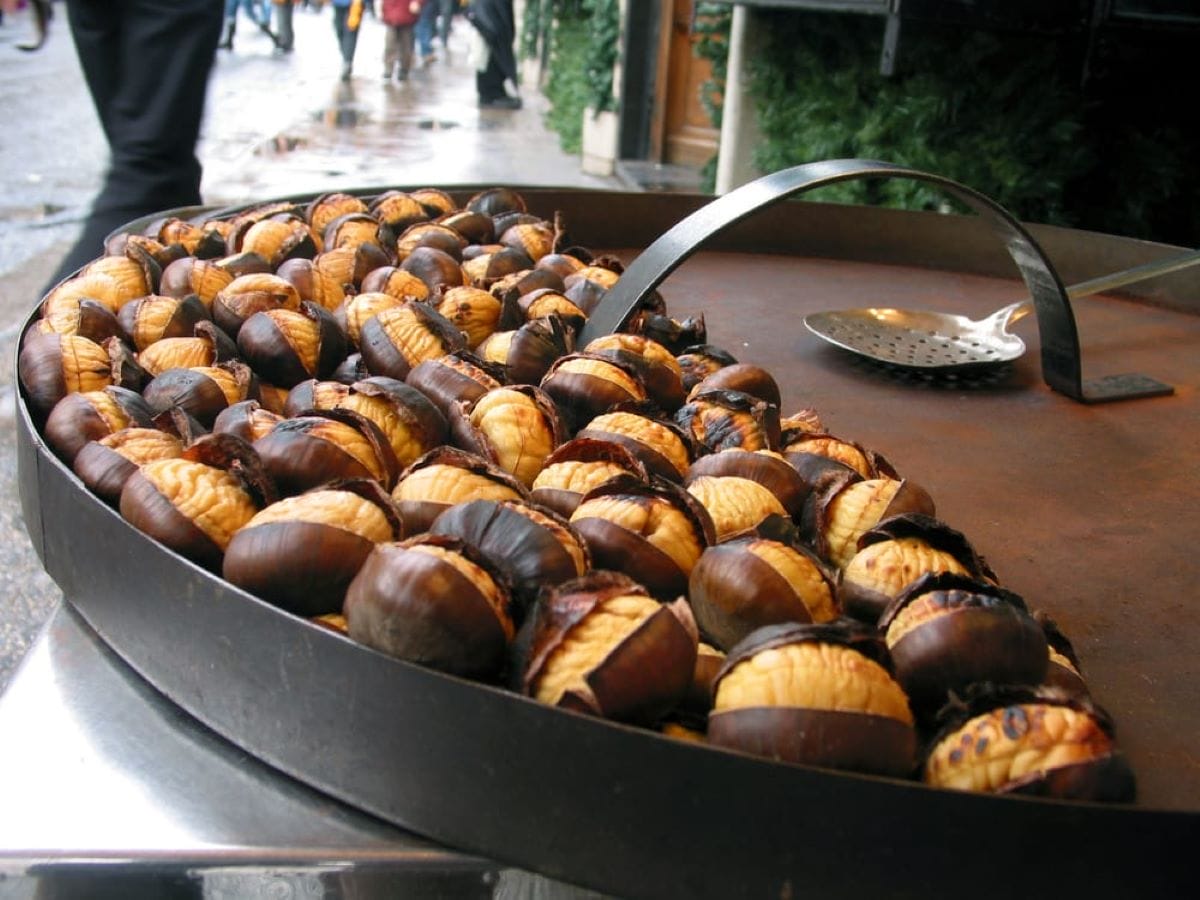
x: 932, y: 341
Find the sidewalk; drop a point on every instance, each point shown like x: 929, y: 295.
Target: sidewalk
x: 276, y: 125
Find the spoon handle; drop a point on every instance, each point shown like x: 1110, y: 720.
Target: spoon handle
x: 1016, y: 311
x: 1134, y: 275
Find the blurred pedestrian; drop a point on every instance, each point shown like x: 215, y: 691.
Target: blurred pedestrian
x: 41, y: 12
x: 285, y: 34
x: 399, y: 17
x: 347, y: 16
x: 256, y: 11
x: 425, y: 27
x: 495, y: 61
x: 146, y: 66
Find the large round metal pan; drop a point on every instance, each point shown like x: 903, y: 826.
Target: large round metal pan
x: 1087, y: 511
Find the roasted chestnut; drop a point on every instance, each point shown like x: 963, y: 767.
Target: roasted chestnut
x: 764, y: 467
x: 1037, y: 741
x: 202, y: 391
x: 896, y: 553
x: 191, y: 277
x: 602, y: 645
x: 528, y: 352
x: 81, y: 316
x: 534, y: 548
x: 312, y: 283
x: 90, y: 415
x: 719, y: 420
x: 654, y: 532
x: 948, y: 631
x: 734, y: 504
x: 154, y: 317
x: 659, y: 370
x: 584, y: 385
x: 195, y: 503
x: 104, y: 465
x: 301, y: 553
x: 740, y: 585
x: 514, y: 427
x: 313, y: 394
x: 578, y: 466
x: 51, y: 366
x: 395, y: 340
x: 661, y: 445
x: 248, y: 294
x: 846, y: 509
x: 286, y: 347
x: 407, y: 418
x: 821, y: 695
x: 434, y: 601
x: 323, y: 446
x: 472, y: 311
x: 445, y: 477
x: 748, y: 379
x: 454, y: 377
x: 698, y: 362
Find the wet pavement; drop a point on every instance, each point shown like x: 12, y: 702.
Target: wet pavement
x: 276, y: 125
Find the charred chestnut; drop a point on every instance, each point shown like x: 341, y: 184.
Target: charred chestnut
x: 286, y: 347
x: 1035, y: 741
x: 323, y: 446
x: 395, y: 340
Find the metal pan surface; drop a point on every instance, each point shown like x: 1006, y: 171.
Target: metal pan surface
x: 635, y: 814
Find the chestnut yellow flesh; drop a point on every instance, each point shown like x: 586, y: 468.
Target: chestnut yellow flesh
x: 353, y: 443
x: 406, y: 444
x: 813, y: 675
x: 577, y: 475
x: 654, y: 435
x: 854, y: 511
x: 920, y: 611
x: 1014, y: 743
x: 735, y: 504
x: 85, y: 364
x: 339, y: 509
x: 660, y: 523
x: 176, y: 353
x: 517, y: 430
x: 450, y: 485
x: 597, y: 368
x: 806, y: 580
x: 143, y: 445
x: 108, y: 409
x: 302, y: 335
x: 211, y: 498
x: 1061, y: 660
x: 478, y: 577
x: 889, y: 566
x: 589, y: 642
x: 409, y: 335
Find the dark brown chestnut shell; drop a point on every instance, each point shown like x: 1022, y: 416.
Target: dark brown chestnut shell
x: 985, y: 634
x: 305, y: 567
x: 74, y: 420
x: 639, y: 680
x: 299, y: 458
x: 417, y: 607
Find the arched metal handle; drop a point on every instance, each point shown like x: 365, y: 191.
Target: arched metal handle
x: 1056, y: 322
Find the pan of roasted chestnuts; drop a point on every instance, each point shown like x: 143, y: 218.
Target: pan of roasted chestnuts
x: 531, y: 520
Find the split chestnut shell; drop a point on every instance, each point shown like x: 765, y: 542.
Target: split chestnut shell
x: 302, y: 552
x: 822, y: 695
x: 601, y: 645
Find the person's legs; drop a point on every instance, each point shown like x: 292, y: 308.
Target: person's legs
x: 424, y: 29
x: 391, y: 50
x: 446, y: 13
x: 147, y: 66
x: 405, y: 41
x: 347, y: 39
x: 286, y: 34
x: 231, y: 8
x: 489, y: 84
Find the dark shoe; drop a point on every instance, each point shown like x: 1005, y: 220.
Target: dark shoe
x: 505, y: 102
x: 346, y: 71
x: 227, y: 37
x: 42, y: 14
x: 402, y: 75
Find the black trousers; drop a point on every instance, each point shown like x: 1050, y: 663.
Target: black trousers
x: 146, y: 64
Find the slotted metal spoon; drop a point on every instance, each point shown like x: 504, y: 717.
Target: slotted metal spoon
x: 933, y: 341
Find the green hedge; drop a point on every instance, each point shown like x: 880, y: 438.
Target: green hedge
x: 1007, y: 114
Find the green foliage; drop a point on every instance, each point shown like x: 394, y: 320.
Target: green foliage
x: 997, y: 114
x: 534, y: 24
x: 711, y: 31
x: 602, y: 48
x: 567, y: 86
x: 1005, y: 113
